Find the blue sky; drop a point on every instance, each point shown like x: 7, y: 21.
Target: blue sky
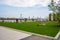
x: 9, y: 11
x: 13, y: 8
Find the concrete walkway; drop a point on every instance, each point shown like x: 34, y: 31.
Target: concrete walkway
x: 35, y: 37
x: 58, y: 38
x: 9, y: 34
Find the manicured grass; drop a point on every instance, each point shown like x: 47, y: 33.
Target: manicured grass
x: 50, y: 29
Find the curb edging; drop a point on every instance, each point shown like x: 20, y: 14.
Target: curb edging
x: 58, y: 34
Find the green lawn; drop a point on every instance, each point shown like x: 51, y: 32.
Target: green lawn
x: 50, y: 29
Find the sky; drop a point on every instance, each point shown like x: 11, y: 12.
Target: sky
x: 14, y: 8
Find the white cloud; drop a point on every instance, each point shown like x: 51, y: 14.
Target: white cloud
x: 25, y: 3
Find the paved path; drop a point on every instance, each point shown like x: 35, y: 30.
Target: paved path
x: 58, y: 38
x: 35, y: 37
x: 9, y: 34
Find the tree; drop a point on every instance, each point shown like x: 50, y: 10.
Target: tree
x: 58, y: 11
x: 50, y: 17
x: 16, y: 20
x: 54, y: 17
x: 55, y: 8
x: 52, y: 6
x: 25, y: 19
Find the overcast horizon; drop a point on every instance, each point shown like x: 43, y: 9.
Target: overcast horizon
x: 13, y: 8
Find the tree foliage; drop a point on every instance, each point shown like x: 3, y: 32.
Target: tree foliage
x: 52, y: 6
x: 55, y: 8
